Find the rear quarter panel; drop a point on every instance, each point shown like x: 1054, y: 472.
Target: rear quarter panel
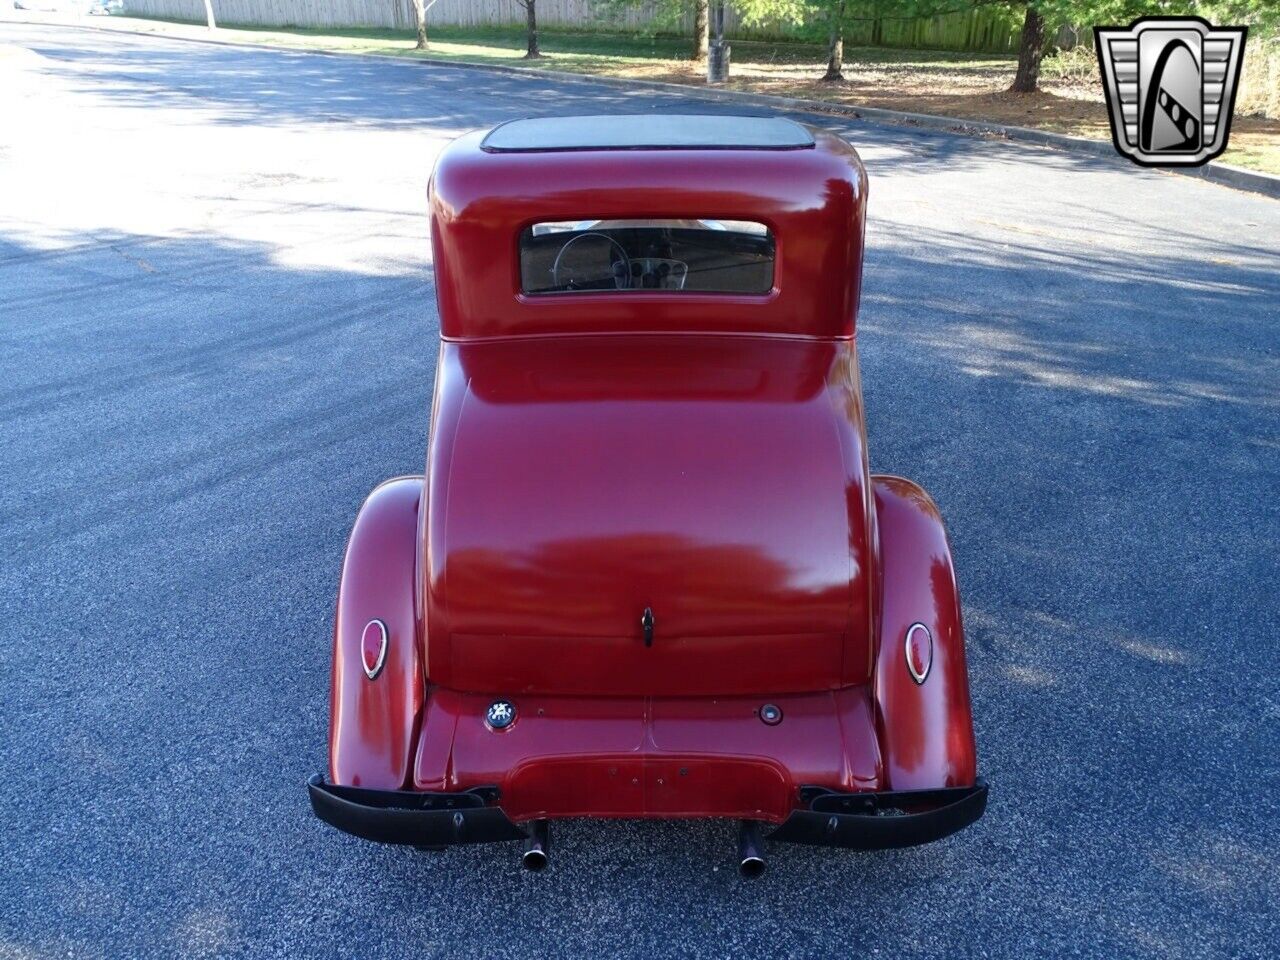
x: 926, y: 730
x: 374, y: 723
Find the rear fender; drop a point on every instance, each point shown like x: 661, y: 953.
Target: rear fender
x: 375, y: 722
x: 926, y: 729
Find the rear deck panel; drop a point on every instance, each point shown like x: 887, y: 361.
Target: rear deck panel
x: 650, y: 757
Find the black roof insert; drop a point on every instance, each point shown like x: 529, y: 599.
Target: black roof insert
x: 647, y: 132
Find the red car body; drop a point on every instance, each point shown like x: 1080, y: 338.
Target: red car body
x: 647, y: 528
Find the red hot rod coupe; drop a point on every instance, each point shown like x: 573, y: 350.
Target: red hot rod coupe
x: 647, y: 572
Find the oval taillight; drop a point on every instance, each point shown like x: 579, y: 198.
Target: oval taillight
x: 373, y: 647
x: 919, y: 651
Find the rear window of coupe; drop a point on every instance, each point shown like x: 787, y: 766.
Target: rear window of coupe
x: 639, y: 256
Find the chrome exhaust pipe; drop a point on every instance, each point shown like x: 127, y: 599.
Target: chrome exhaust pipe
x: 537, y: 846
x: 750, y: 848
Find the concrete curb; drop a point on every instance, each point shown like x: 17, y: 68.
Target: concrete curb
x: 1238, y: 178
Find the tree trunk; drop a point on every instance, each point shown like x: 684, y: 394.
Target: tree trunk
x: 1030, y: 53
x: 531, y: 30
x: 420, y: 16
x: 835, y: 46
x: 717, y: 49
x: 699, y: 51
x: 208, y: 14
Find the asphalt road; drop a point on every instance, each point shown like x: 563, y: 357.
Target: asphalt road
x: 218, y: 332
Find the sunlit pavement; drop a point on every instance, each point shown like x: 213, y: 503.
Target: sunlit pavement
x: 217, y: 333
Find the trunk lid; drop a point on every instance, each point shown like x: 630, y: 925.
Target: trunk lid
x: 718, y: 482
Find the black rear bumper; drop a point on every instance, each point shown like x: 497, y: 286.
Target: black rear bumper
x: 879, y: 821
x: 411, y: 817
x: 856, y: 821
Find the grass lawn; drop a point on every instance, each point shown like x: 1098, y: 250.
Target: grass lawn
x: 966, y: 85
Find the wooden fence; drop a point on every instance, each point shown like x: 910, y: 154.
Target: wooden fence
x: 989, y: 28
